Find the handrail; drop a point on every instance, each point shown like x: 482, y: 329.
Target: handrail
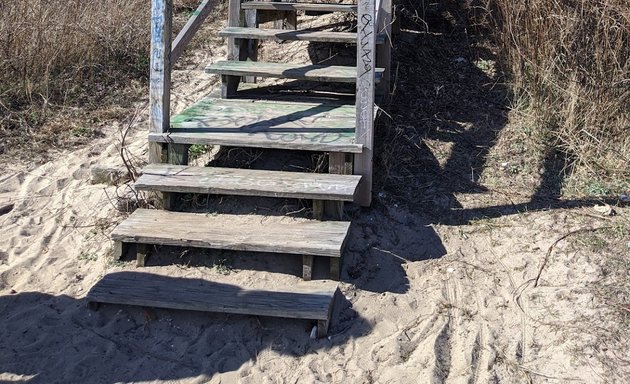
x: 160, y: 74
x: 192, y: 26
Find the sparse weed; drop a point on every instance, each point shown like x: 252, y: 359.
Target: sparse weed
x: 223, y: 265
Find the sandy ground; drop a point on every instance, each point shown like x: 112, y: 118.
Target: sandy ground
x: 424, y: 298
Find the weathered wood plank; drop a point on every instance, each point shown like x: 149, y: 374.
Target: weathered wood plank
x: 283, y: 34
x: 322, y: 141
x: 177, y: 154
x: 304, y: 126
x: 317, y: 7
x: 234, y: 232
x: 324, y: 73
x: 160, y: 73
x: 142, y: 254
x: 252, y: 116
x: 301, y: 300
x: 365, y: 98
x: 251, y: 21
x: 191, y: 27
x: 235, y: 20
x: 335, y: 268
x: 247, y: 182
x: 340, y: 164
x: 384, y: 51
x: 307, y: 267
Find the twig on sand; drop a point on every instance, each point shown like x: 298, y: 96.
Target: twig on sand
x: 555, y: 243
x: 530, y: 371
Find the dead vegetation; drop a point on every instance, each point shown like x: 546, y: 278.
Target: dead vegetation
x: 68, y: 67
x: 570, y: 73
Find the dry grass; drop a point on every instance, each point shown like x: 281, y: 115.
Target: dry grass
x: 68, y: 66
x: 570, y: 70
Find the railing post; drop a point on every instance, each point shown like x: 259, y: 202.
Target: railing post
x: 160, y: 75
x: 384, y: 51
x: 364, y: 133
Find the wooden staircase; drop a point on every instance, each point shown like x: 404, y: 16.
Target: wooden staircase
x: 343, y: 131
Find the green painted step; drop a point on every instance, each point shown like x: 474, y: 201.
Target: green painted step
x: 327, y: 73
x: 299, y: 35
x: 247, y: 182
x: 265, y: 124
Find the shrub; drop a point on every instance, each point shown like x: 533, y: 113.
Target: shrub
x: 570, y: 62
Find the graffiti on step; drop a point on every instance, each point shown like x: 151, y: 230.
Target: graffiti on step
x: 317, y: 138
x: 216, y: 182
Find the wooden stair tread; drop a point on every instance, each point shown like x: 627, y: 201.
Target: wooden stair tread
x: 298, y: 35
x: 315, y: 7
x: 247, y: 182
x: 265, y: 124
x: 277, y: 234
x: 301, y: 300
x: 327, y: 73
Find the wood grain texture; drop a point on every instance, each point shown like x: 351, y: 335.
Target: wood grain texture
x: 325, y: 142
x: 366, y: 64
x: 234, y: 232
x: 160, y: 73
x: 317, y: 7
x: 235, y: 20
x: 323, y: 73
x: 191, y: 27
x: 301, y: 300
x: 265, y: 124
x: 283, y: 34
x: 340, y: 164
x: 247, y: 182
x: 384, y: 51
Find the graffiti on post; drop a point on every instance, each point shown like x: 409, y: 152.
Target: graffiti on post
x: 366, y: 67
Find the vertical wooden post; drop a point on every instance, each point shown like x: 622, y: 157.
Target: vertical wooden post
x: 384, y: 51
x: 307, y: 267
x: 251, y: 21
x: 318, y: 209
x: 237, y: 49
x: 177, y: 155
x: 160, y: 75
x: 142, y: 254
x: 364, y: 133
x: 120, y: 249
x: 341, y: 164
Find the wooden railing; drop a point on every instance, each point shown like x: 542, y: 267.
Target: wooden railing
x: 373, y: 18
x: 366, y: 65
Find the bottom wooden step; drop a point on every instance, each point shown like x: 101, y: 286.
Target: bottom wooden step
x: 303, y: 300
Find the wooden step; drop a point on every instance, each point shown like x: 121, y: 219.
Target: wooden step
x: 277, y: 234
x: 299, y: 35
x: 307, y: 7
x: 325, y: 73
x: 247, y: 182
x: 301, y: 300
x: 265, y: 124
